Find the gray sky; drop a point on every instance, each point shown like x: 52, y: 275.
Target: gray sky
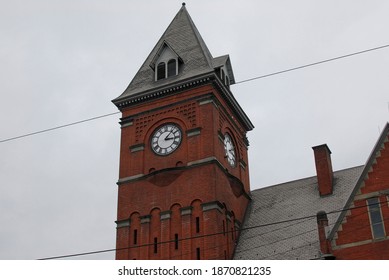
x: 63, y: 61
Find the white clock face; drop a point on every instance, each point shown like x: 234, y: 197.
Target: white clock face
x: 229, y: 150
x: 166, y: 139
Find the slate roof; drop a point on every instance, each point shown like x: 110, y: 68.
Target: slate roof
x: 185, y: 40
x: 196, y: 66
x: 289, y: 211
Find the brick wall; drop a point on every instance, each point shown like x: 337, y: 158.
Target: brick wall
x: 354, y: 239
x: 189, y: 195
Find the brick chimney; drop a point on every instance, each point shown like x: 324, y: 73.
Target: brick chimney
x: 322, y: 223
x: 323, y: 169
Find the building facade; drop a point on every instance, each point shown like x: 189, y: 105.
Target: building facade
x: 184, y: 190
x: 184, y: 177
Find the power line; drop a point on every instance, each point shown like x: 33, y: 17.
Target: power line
x: 57, y: 127
x: 352, y: 230
x: 239, y: 82
x: 312, y: 64
x: 212, y: 234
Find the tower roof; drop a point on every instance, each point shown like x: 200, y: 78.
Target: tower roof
x: 195, y: 62
x: 185, y: 40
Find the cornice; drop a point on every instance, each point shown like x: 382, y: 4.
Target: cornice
x: 185, y: 85
x: 162, y: 91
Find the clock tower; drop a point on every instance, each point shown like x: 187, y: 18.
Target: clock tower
x: 183, y: 185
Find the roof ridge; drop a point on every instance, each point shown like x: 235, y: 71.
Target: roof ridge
x: 306, y: 178
x: 199, y: 38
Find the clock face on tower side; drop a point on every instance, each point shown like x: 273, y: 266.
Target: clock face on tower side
x: 166, y: 139
x: 229, y: 150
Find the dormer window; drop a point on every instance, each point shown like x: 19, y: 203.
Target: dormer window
x: 161, y: 71
x: 166, y: 70
x: 166, y: 63
x: 224, y: 77
x: 172, y: 67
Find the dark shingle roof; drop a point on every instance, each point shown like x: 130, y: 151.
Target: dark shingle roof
x: 295, y: 238
x: 185, y: 40
x: 196, y: 66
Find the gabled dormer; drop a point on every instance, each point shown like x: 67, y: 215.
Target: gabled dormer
x: 166, y: 63
x: 223, y: 69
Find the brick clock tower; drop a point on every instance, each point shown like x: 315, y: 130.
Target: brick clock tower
x: 183, y: 184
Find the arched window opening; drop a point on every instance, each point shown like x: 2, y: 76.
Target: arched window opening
x: 135, y: 239
x: 222, y: 74
x: 172, y: 68
x: 197, y: 224
x: 161, y: 71
x: 176, y: 241
x: 155, y: 245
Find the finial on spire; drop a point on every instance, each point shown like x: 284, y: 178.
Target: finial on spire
x: 183, y: 4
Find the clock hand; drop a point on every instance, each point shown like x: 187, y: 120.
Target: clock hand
x: 167, y: 136
x: 171, y: 138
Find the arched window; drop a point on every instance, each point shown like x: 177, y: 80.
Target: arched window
x: 222, y: 74
x: 161, y: 71
x: 172, y: 68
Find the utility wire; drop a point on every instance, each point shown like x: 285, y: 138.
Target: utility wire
x: 312, y: 64
x: 349, y: 231
x: 57, y: 127
x: 352, y: 230
x: 296, y: 235
x: 211, y: 234
x: 239, y: 82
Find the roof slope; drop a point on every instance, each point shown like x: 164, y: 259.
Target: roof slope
x: 283, y: 208
x: 185, y: 40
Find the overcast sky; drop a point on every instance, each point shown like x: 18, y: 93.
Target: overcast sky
x: 64, y: 61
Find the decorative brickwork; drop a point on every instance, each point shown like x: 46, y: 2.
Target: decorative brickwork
x: 363, y: 234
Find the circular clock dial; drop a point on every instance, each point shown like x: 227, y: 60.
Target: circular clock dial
x: 166, y: 139
x: 229, y: 149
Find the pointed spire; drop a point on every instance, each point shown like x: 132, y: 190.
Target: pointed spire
x: 183, y: 45
x: 183, y: 38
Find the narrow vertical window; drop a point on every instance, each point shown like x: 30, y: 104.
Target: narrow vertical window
x: 227, y: 81
x: 176, y: 241
x: 172, y: 68
x: 224, y: 228
x: 197, y: 224
x: 377, y: 226
x: 155, y: 245
x: 232, y: 233
x: 222, y: 74
x: 198, y: 253
x: 161, y: 71
x: 135, y: 236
